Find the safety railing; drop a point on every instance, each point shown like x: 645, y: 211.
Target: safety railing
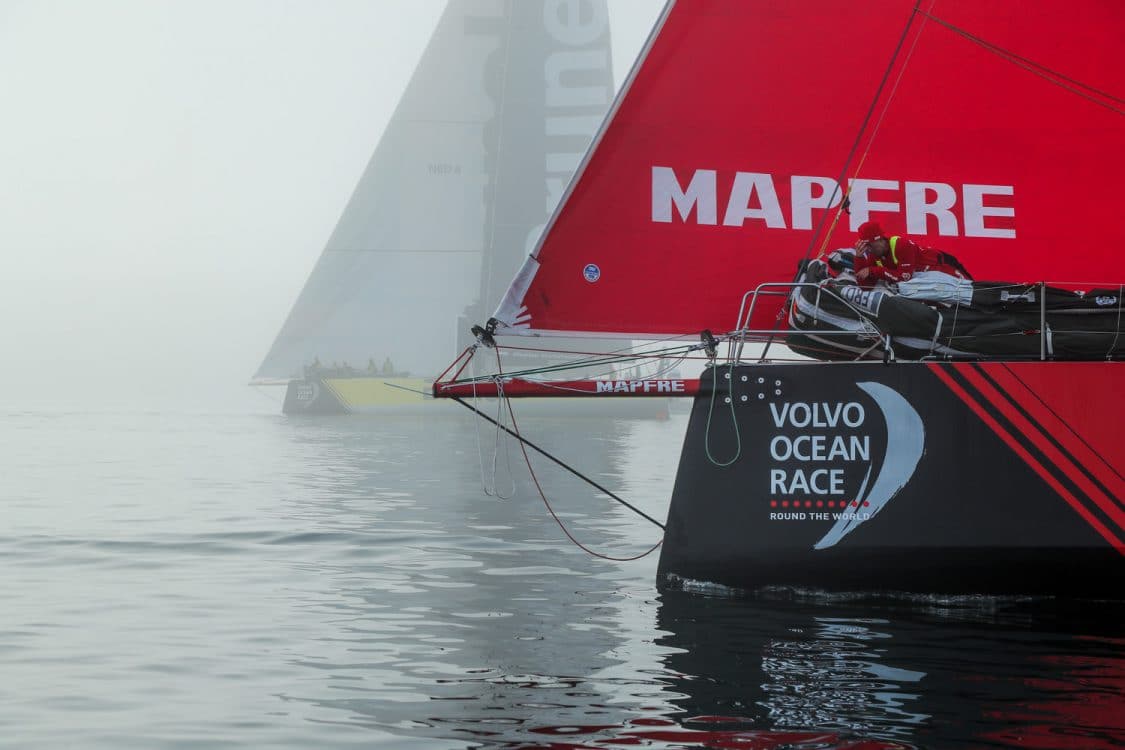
x: 754, y: 299
x: 743, y: 332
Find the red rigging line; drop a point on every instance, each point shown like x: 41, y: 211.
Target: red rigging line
x: 863, y: 128
x: 1050, y: 75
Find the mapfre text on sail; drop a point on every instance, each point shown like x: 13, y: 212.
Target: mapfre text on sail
x: 959, y: 210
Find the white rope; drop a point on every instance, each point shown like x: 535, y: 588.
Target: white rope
x: 1117, y: 333
x: 488, y: 478
x: 937, y: 329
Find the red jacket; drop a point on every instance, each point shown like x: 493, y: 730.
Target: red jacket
x: 905, y: 259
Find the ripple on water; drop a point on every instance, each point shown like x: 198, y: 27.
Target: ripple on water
x: 265, y: 582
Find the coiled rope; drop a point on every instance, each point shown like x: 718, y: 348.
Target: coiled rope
x: 488, y: 480
x: 733, y: 416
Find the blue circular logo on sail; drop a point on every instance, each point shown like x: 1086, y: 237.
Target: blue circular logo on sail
x: 591, y: 272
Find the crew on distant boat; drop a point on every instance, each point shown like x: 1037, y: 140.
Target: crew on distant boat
x: 342, y: 369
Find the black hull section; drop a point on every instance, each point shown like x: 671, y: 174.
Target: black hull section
x: 914, y: 477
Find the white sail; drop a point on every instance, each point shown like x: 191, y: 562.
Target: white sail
x: 498, y: 113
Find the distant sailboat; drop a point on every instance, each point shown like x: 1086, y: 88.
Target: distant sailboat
x: 996, y: 128
x: 496, y: 117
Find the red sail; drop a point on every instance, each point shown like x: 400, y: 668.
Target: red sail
x: 997, y: 136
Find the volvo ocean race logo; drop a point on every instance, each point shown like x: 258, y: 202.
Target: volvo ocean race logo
x: 822, y: 466
x: 591, y: 273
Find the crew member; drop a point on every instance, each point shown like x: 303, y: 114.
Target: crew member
x: 895, y: 258
x: 909, y: 268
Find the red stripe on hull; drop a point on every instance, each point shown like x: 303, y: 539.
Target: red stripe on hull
x: 1048, y: 450
x: 1072, y: 472
x: 1063, y: 412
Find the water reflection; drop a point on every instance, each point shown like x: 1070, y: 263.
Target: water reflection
x: 833, y: 678
x: 1023, y: 675
x: 448, y: 613
x: 265, y: 583
x: 443, y: 617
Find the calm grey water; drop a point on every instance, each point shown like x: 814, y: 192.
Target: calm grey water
x: 198, y: 581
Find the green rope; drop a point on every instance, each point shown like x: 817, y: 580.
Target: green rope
x: 733, y: 417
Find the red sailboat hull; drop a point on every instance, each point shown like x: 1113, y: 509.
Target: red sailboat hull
x: 754, y: 136
x: 997, y: 478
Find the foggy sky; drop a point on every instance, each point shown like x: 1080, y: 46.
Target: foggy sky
x: 169, y: 173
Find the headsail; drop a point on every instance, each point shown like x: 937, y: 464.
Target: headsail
x: 994, y: 134
x: 497, y: 115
